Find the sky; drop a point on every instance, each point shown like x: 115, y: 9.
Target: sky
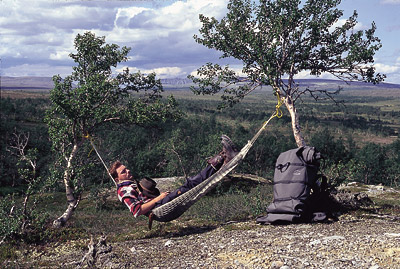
x: 36, y: 37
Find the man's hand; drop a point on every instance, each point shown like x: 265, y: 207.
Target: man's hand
x: 149, y: 205
x: 162, y: 195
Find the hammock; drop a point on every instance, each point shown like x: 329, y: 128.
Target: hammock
x: 176, y: 207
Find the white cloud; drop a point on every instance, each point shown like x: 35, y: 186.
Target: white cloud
x: 39, y: 70
x: 341, y: 22
x: 165, y: 72
x: 179, y: 16
x: 161, y: 72
x: 305, y: 74
x: 60, y: 55
x: 395, y: 2
x: 185, y: 15
x: 387, y: 69
x: 125, y: 14
x: 237, y: 68
x: 392, y: 72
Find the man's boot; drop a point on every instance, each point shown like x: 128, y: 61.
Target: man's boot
x: 216, y: 161
x: 229, y: 149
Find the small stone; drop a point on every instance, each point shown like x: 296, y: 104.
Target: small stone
x: 392, y: 234
x: 315, y: 242
x: 276, y: 264
x: 168, y: 243
x: 333, y: 237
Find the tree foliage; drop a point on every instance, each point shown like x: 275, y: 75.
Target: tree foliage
x: 91, y: 97
x: 18, y: 218
x: 279, y: 39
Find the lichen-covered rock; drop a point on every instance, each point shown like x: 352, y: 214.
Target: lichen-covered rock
x: 351, y: 201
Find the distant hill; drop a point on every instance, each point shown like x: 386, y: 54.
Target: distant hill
x: 354, y: 85
x: 26, y: 83
x: 176, y: 81
x: 46, y: 83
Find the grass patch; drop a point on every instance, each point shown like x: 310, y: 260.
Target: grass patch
x: 233, y: 200
x: 235, y: 204
x: 7, y: 252
x: 388, y: 203
x: 240, y: 226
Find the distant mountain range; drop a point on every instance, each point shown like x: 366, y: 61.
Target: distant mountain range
x: 26, y: 83
x: 46, y: 83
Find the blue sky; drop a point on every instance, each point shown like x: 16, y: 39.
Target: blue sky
x: 37, y: 36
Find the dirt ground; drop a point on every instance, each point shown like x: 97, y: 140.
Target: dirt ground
x: 357, y: 239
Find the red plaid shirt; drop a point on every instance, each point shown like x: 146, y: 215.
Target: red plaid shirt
x: 128, y: 194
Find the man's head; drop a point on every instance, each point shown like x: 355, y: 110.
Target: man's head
x: 119, y: 172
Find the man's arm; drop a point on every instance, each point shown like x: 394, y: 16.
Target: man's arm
x: 146, y: 207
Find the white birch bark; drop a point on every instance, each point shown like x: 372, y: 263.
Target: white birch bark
x: 298, y: 136
x: 72, y: 201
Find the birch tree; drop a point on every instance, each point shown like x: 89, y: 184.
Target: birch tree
x: 93, y: 96
x: 276, y: 40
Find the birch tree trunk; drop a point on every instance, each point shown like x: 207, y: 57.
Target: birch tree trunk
x: 298, y: 136
x: 72, y: 201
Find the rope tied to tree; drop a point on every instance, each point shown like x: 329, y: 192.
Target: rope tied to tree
x: 277, y: 113
x: 88, y: 137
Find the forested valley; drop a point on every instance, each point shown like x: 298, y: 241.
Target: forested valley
x: 358, y: 139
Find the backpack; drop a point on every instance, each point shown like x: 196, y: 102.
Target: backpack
x: 296, y: 174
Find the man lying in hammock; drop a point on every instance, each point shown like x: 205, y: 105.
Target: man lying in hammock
x: 143, y: 197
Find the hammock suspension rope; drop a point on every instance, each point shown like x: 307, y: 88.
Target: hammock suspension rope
x: 87, y: 136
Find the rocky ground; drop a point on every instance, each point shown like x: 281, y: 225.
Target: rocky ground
x: 362, y: 240
x: 347, y: 243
